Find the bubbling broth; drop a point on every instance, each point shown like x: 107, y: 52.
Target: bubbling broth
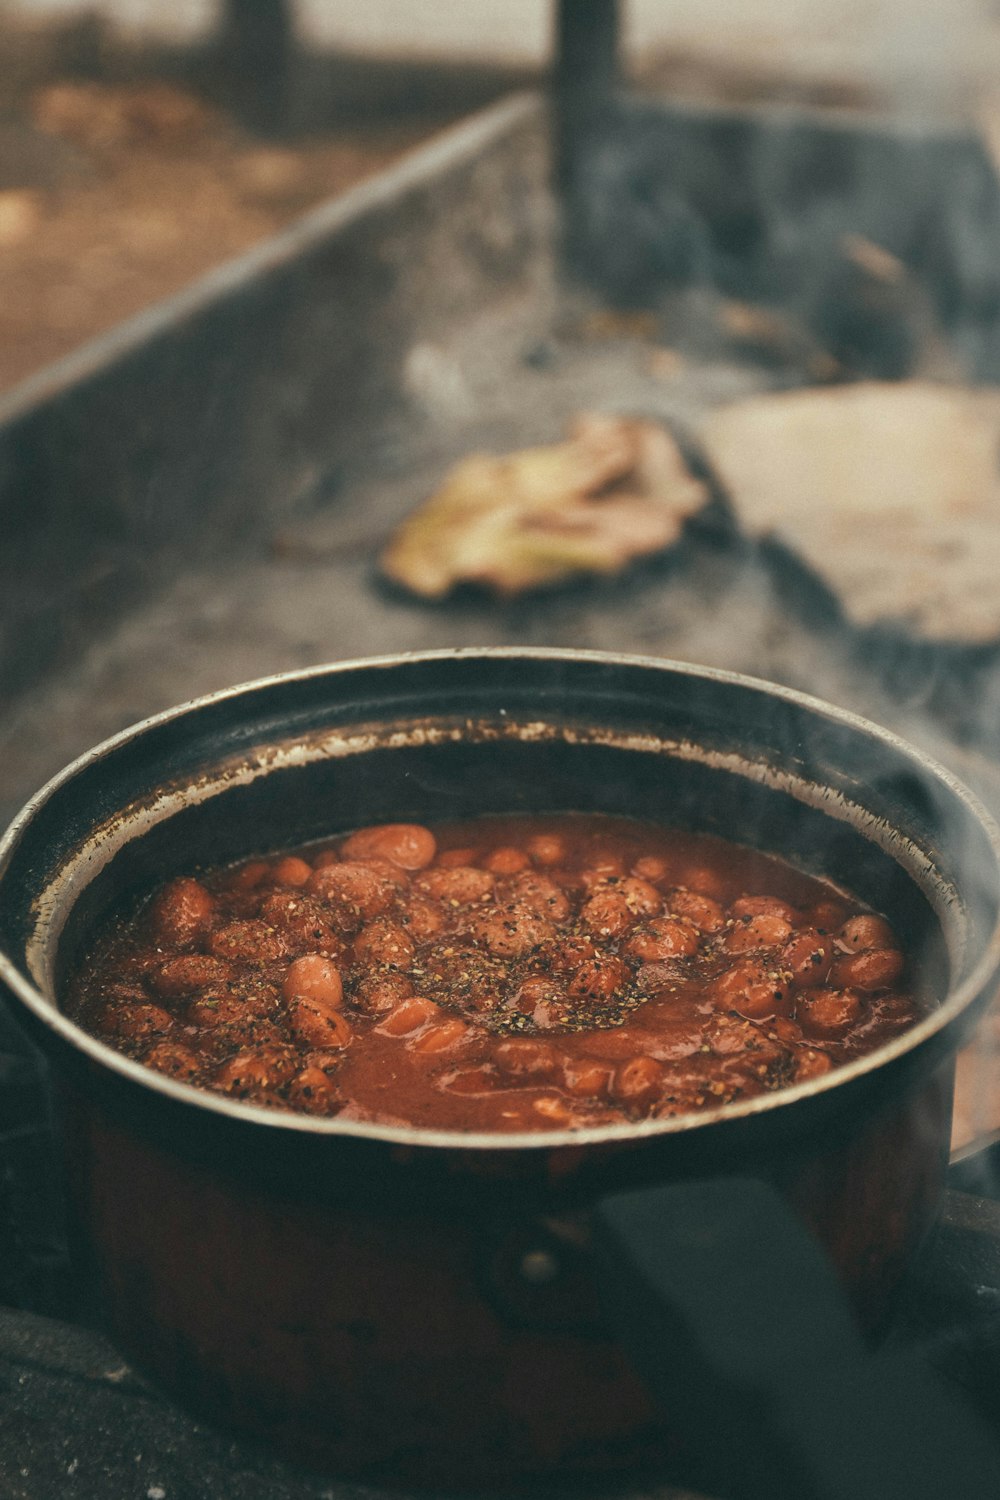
x: 500, y: 974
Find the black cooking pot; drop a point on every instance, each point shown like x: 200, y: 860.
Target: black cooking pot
x: 417, y: 1301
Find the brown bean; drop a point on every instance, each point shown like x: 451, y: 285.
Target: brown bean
x: 641, y: 897
x: 506, y: 861
x: 828, y: 915
x: 354, y: 892
x: 291, y: 871
x: 586, y: 1078
x: 865, y: 931
x: 423, y: 919
x: 318, y: 1023
x: 470, y: 1081
x: 598, y: 978
x: 871, y: 969
x: 809, y: 1063
x: 377, y: 993
x: 255, y: 1069
x: 189, y: 974
x: 571, y: 952
x: 301, y: 920
x: 607, y: 914
x: 523, y: 1059
x: 131, y: 1023
x: 663, y: 937
x: 443, y: 1038
x: 181, y: 914
x: 764, y: 906
x: 314, y: 977
x: 384, y: 942
x: 249, y: 942
x: 536, y: 893
x: 220, y: 1005
x: 451, y: 859
x: 555, y: 1111
x: 749, y: 934
x: 511, y: 934
x: 462, y: 885
x: 175, y: 1060
x: 748, y: 988
x: 547, y: 849
x: 409, y: 845
x: 247, y: 877
x: 409, y: 1016
x: 705, y: 914
x: 602, y: 871
x: 729, y: 1035
x: 807, y: 956
x: 638, y: 1081
x: 315, y: 1091
x: 828, y: 1012
x: 651, y: 867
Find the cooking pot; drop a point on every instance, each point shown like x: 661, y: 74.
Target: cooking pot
x: 412, y: 1302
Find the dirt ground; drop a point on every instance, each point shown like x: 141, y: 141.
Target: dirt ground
x: 123, y: 175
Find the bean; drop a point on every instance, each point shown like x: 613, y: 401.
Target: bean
x: 189, y: 974
x: 703, y: 880
x: 704, y: 913
x: 181, y: 914
x: 763, y: 906
x: 314, y: 977
x: 827, y: 1012
x: 827, y: 915
x: 749, y: 989
x: 450, y: 859
x: 408, y: 1016
x: 809, y: 1063
x: 251, y: 942
x: 571, y: 952
x: 651, y: 867
x: 378, y: 993
x: 729, y: 1035
x: 555, y: 1110
x: 312, y: 1089
x: 221, y: 1006
x: 443, y: 1038
x: 354, y: 891
x: 384, y: 942
x: 423, y: 919
x: 872, y: 969
x: 638, y: 1081
x: 409, y: 845
x: 523, y: 1059
x: 750, y: 933
x: 536, y: 893
x: 865, y: 931
x: 506, y: 861
x: 247, y: 877
x: 302, y: 922
x: 602, y: 871
x: 255, y: 1070
x: 536, y: 989
x: 291, y: 871
x: 510, y: 933
x: 175, y: 1060
x: 598, y: 978
x: 547, y: 849
x: 607, y: 914
x: 131, y: 1023
x: 663, y: 937
x: 318, y: 1023
x: 463, y: 885
x: 587, y: 1079
x: 641, y: 897
x: 807, y: 956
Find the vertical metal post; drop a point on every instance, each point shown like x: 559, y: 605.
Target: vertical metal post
x: 585, y: 72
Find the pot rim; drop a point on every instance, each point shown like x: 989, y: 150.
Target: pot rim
x: 47, y: 1012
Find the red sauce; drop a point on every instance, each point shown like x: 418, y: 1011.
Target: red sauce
x: 517, y: 973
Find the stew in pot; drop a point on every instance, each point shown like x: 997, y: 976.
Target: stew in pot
x: 505, y: 973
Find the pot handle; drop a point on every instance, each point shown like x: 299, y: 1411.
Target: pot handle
x: 733, y: 1314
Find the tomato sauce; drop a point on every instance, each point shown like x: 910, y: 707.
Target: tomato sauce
x: 505, y: 973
